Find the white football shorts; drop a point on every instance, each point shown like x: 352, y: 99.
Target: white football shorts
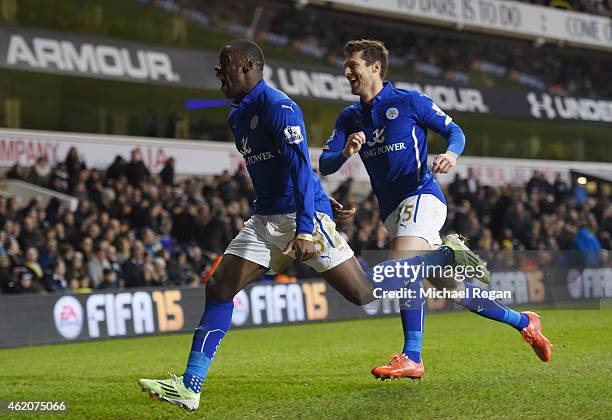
x: 263, y: 239
x: 421, y: 215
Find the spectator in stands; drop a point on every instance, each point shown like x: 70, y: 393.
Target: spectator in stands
x: 31, y: 264
x: 518, y: 220
x: 30, y: 235
x: 96, y: 265
x: 560, y: 187
x: 84, y: 285
x: 113, y: 259
x: 160, y: 276
x: 201, y: 261
x: 56, y: 281
x: 54, y: 211
x: 13, y: 251
x: 109, y: 280
x: 71, y: 231
x: 180, y: 270
x: 151, y: 242
x: 77, y: 267
x: 213, y: 230
x: 87, y: 247
x: 17, y: 172
x: 40, y: 173
x: 167, y: 172
x: 133, y: 268
x: 117, y: 169
x: 183, y: 222
x: 580, y: 193
x: 73, y: 166
x: 6, y: 281
x: 60, y: 181
x: 135, y: 170
x: 25, y: 282
x: 471, y: 182
x: 538, y: 183
x: 586, y: 241
x: 49, y: 254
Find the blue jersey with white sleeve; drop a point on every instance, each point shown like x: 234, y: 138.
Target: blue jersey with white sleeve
x: 270, y: 134
x: 395, y: 153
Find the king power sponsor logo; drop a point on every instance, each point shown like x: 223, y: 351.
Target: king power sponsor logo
x: 545, y: 106
x: 90, y: 59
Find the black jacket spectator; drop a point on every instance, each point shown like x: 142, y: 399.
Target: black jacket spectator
x: 56, y: 281
x: 135, y: 170
x: 167, y: 173
x: 215, y: 236
x: 133, y: 268
x: 16, y: 172
x: 117, y: 169
x: 40, y: 173
x: 73, y: 166
x: 30, y: 235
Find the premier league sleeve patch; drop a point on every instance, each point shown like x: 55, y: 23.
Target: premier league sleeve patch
x: 293, y: 134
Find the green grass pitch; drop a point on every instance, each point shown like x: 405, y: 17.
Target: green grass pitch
x: 475, y: 368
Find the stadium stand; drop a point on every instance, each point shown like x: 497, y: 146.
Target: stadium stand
x: 593, y: 7
x: 319, y: 32
x: 133, y: 228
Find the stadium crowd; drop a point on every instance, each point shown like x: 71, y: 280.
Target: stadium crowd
x: 321, y: 33
x: 133, y: 228
x: 593, y: 7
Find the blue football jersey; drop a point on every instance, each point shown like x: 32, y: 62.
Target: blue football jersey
x: 395, y: 154
x: 270, y: 134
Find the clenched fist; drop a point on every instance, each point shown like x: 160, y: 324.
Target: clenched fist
x: 353, y: 144
x: 304, y: 249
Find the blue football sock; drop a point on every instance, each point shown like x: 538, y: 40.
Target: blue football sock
x: 413, y: 322
x: 408, y: 273
x: 492, y: 309
x: 214, y: 324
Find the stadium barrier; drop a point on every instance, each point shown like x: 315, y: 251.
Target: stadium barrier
x: 44, y: 319
x: 26, y: 191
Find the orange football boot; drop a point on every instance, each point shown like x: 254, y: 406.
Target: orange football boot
x: 532, y: 334
x: 400, y: 366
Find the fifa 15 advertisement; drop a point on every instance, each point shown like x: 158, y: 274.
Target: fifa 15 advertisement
x: 117, y: 314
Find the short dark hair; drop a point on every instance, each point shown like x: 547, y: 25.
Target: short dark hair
x: 372, y: 51
x: 250, y: 50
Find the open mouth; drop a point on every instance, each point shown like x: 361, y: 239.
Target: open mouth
x: 354, y: 81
